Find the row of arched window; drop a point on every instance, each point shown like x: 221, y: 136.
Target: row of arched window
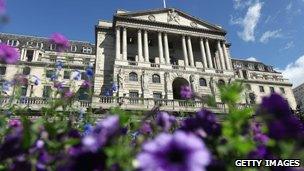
x: 134, y: 77
x: 156, y: 79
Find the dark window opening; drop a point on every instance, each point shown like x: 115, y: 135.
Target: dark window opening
x: 133, y: 76
x: 262, y: 89
x: 26, y: 71
x: 155, y: 78
x: 66, y: 75
x: 2, y: 70
x: 29, y: 55
x: 202, y: 82
x: 47, y: 91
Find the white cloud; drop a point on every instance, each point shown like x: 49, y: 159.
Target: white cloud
x: 295, y: 71
x: 289, y: 45
x: 289, y: 6
x: 252, y: 59
x: 238, y: 4
x: 270, y: 35
x: 249, y: 22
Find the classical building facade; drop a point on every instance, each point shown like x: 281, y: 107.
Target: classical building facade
x: 151, y: 54
x: 299, y: 95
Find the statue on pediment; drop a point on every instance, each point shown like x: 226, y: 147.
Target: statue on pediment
x: 173, y: 16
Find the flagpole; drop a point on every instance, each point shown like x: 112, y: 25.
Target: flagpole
x: 165, y: 6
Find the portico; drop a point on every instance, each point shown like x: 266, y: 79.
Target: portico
x: 152, y: 45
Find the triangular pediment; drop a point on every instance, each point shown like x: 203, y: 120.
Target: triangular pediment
x: 170, y: 16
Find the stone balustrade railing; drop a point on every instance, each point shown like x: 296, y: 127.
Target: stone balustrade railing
x: 128, y: 103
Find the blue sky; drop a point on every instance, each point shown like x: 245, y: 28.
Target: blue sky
x: 271, y: 31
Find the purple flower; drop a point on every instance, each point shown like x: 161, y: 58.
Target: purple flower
x: 58, y: 85
x: 114, y: 87
x: 60, y: 41
x: 258, y: 136
x: 102, y: 132
x: 164, y: 120
x: 20, y: 80
x: 145, y: 128
x: 6, y: 86
x: 59, y: 65
x: 2, y: 7
x: 8, y: 54
x: 76, y: 75
x: 281, y: 122
x: 203, y: 123
x: 87, y: 129
x: 89, y: 72
x: 177, y: 152
x: 35, y: 80
x: 86, y: 84
x: 186, y: 92
x: 110, y: 124
x: 14, y: 123
x: 68, y: 94
x: 276, y: 105
x: 259, y: 153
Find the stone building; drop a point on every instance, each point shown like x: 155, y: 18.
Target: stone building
x: 38, y: 58
x: 299, y: 95
x: 150, y: 55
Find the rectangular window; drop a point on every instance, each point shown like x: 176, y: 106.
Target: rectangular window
x: 157, y: 95
x: 84, y: 76
x: 47, y: 91
x: 87, y: 50
x: 49, y: 73
x: 2, y: 70
x: 271, y: 89
x: 23, y: 90
x: 262, y: 89
x: 29, y: 55
x: 53, y: 58
x: 86, y: 61
x: 134, y: 94
x: 66, y: 75
x: 282, y: 90
x: 134, y: 97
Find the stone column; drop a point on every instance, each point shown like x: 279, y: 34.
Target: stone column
x: 146, y: 46
x: 186, y: 62
x: 204, y: 59
x: 160, y: 48
x: 191, y: 59
x: 118, y: 55
x: 208, y: 53
x: 139, y: 43
x: 167, y: 54
x: 221, y: 56
x: 226, y: 54
x: 124, y: 44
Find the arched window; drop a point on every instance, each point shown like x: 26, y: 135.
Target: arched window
x: 155, y: 78
x: 133, y: 76
x: 221, y: 82
x: 202, y: 82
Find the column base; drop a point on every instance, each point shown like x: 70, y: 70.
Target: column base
x: 210, y: 70
x: 165, y: 66
x: 191, y: 68
x: 121, y: 62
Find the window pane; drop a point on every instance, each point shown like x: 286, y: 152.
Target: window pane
x: 2, y: 70
x: 66, y: 74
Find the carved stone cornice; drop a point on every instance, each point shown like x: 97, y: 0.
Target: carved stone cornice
x: 168, y: 28
x: 201, y: 73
